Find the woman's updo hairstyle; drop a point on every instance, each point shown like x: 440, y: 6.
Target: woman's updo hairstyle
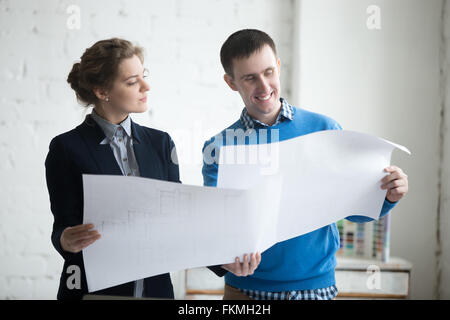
x: 99, y: 66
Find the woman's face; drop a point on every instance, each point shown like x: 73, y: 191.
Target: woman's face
x: 128, y: 93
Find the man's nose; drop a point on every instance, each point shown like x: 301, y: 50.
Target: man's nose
x: 263, y: 85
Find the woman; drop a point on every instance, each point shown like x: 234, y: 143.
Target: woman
x: 110, y: 77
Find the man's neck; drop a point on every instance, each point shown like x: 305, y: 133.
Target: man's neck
x: 267, y: 119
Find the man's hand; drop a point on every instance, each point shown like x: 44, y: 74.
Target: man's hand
x: 396, y: 183
x: 245, y: 268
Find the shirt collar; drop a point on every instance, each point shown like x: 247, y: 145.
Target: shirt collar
x: 286, y: 113
x: 110, y: 129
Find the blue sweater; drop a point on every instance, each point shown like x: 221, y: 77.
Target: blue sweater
x: 301, y: 263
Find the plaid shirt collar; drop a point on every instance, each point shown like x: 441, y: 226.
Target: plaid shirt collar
x: 286, y: 112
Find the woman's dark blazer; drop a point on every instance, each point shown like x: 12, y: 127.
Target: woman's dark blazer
x: 79, y: 151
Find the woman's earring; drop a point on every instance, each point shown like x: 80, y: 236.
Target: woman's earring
x: 107, y: 99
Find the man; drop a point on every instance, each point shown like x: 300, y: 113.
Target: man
x: 302, y: 267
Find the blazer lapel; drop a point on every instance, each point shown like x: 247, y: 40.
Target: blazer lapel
x: 146, y: 156
x: 101, y: 153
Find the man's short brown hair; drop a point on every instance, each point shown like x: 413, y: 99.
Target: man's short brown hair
x: 242, y: 44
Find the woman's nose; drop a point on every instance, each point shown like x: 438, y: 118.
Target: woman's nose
x: 145, y: 86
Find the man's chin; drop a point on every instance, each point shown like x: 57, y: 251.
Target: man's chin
x: 267, y: 109
x: 259, y: 112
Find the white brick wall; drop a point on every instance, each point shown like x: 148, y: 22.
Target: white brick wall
x: 188, y: 99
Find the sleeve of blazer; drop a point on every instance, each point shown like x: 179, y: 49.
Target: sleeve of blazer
x: 174, y: 171
x: 64, y: 198
x: 218, y: 270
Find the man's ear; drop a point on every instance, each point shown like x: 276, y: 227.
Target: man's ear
x: 230, y: 82
x: 279, y: 66
x: 100, y: 93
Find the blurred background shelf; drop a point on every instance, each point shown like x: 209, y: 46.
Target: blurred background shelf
x: 356, y: 278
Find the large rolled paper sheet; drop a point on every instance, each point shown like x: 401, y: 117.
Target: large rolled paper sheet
x: 150, y: 227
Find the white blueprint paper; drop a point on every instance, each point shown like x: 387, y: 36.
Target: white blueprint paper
x: 150, y: 227
x: 325, y: 176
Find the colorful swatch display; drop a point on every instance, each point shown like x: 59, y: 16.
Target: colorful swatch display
x: 365, y: 240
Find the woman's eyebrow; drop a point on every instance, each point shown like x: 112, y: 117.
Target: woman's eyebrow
x: 134, y: 76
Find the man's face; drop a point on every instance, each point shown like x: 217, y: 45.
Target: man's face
x: 257, y: 79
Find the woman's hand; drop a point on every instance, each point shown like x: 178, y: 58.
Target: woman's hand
x: 246, y: 268
x: 74, y: 239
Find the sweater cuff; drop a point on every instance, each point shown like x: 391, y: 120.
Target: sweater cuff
x: 387, y: 207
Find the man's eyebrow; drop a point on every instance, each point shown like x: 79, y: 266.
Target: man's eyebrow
x: 247, y: 75
x: 252, y: 74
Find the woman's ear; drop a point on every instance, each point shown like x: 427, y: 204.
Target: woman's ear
x: 101, y: 94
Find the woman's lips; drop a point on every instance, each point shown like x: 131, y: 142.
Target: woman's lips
x: 143, y: 99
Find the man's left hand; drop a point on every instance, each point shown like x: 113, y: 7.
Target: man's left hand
x: 396, y: 183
